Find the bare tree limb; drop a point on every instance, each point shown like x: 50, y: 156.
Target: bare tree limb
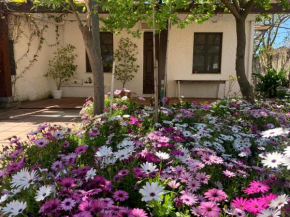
x: 236, y: 4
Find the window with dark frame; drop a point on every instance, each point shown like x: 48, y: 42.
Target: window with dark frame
x: 207, y: 53
x: 107, y: 52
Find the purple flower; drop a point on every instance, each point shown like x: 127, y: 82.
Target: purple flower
x: 67, y: 182
x: 42, y: 142
x: 81, y: 149
x: 50, y: 207
x: 65, y: 144
x: 120, y: 195
x: 83, y: 214
x: 57, y: 166
x: 68, y: 204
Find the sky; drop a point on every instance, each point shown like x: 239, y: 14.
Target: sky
x: 282, y: 33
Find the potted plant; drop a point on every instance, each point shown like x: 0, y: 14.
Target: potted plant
x: 61, y: 68
x: 125, y: 57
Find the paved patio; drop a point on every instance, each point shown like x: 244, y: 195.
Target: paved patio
x: 63, y: 111
x: 21, y: 121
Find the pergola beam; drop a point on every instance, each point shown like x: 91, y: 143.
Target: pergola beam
x: 27, y: 8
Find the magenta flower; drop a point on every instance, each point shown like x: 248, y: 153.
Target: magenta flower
x: 240, y: 203
x: 202, y: 177
x: 120, y: 195
x: 215, y: 195
x: 259, y: 186
x: 254, y: 206
x: 138, y: 213
x: 50, y: 207
x: 67, y: 182
x: 123, y: 172
x: 208, y: 209
x: 267, y: 199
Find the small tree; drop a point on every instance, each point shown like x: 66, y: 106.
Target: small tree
x: 61, y: 67
x: 126, y: 60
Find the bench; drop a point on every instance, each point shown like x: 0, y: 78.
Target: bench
x: 219, y: 82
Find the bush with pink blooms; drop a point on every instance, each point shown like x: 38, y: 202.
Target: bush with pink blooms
x: 199, y: 160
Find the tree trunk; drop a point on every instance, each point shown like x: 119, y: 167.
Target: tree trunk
x: 92, y: 44
x: 245, y: 86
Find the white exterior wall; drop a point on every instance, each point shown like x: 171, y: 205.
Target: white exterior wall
x: 180, y: 59
x: 32, y: 84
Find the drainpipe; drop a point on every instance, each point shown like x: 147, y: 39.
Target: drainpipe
x: 251, y: 48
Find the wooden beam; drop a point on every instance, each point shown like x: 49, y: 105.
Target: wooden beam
x: 27, y: 8
x: 5, y: 65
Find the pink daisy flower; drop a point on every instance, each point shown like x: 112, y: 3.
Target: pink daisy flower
x: 254, y: 206
x: 249, y: 190
x: 202, y: 177
x: 120, y: 195
x: 185, y: 177
x: 138, y: 213
x: 229, y: 174
x: 259, y: 186
x: 267, y: 199
x: 208, y: 209
x: 193, y: 185
x: 240, y: 203
x: 188, y: 199
x: 215, y: 195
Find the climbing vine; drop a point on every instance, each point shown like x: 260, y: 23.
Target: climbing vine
x: 17, y: 24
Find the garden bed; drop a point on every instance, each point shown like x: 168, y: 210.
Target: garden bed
x: 221, y: 159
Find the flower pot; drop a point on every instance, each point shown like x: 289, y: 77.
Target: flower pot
x: 56, y: 94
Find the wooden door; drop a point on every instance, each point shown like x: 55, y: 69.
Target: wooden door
x: 148, y: 66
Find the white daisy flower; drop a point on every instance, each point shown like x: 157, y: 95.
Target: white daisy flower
x: 287, y: 151
x: 4, y: 198
x: 269, y: 212
x: 104, y: 151
x: 272, y: 160
x: 279, y: 202
x: 152, y: 191
x: 122, y: 154
x: 91, y: 174
x: 43, y: 192
x: 275, y: 132
x: 23, y: 179
x: 148, y: 167
x: 162, y: 155
x: 14, y: 208
x: 286, y: 162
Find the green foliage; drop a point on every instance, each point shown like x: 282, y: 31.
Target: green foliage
x: 61, y: 67
x: 126, y: 58
x: 269, y: 82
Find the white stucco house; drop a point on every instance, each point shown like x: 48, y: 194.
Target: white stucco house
x: 204, y: 53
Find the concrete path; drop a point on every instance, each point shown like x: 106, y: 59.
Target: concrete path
x: 19, y: 122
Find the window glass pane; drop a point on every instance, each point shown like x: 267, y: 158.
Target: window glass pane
x: 107, y: 52
x: 214, y: 49
x: 214, y: 39
x: 199, y: 49
x: 213, y: 63
x: 199, y: 39
x: 199, y: 63
x: 207, y: 52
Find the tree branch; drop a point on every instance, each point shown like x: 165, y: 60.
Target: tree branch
x: 249, y: 7
x: 236, y: 4
x: 232, y: 9
x: 71, y: 3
